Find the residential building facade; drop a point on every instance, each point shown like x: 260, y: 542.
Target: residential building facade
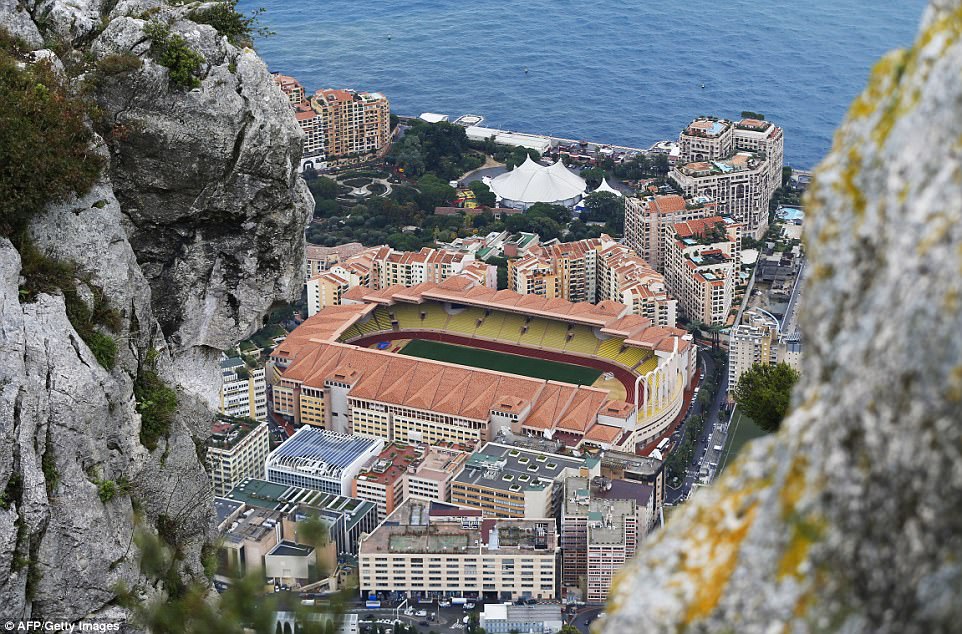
x: 602, y: 523
x: 243, y: 393
x: 380, y: 267
x: 430, y: 549
x: 754, y: 340
x: 340, y: 126
x: 702, y: 264
x: 236, y: 450
x: 738, y: 165
x: 593, y: 270
x: 649, y: 220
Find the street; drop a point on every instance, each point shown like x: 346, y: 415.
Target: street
x: 676, y: 494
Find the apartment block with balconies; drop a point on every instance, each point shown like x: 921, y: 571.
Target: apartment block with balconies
x: 702, y: 262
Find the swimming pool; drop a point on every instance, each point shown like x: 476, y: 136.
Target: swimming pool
x: 791, y: 213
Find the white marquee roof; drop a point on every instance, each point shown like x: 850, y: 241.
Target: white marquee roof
x: 605, y: 187
x: 532, y: 183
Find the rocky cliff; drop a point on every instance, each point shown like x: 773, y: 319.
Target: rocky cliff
x: 193, y: 231
x: 850, y: 519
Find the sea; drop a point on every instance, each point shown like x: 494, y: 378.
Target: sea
x: 609, y: 71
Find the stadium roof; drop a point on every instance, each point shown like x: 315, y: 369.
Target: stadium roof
x: 532, y: 183
x: 430, y: 385
x: 455, y: 289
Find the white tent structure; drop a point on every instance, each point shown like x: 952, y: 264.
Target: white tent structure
x: 605, y: 187
x: 530, y: 183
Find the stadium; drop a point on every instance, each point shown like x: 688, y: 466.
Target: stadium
x: 461, y: 362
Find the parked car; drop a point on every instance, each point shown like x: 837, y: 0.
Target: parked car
x: 421, y: 613
x: 468, y: 606
x: 530, y: 601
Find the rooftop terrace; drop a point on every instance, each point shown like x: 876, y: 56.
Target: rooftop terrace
x: 515, y: 469
x: 411, y: 529
x: 280, y: 497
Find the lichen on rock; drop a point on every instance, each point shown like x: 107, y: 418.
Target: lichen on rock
x: 855, y: 521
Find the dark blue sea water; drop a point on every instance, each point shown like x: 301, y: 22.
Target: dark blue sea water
x: 613, y: 71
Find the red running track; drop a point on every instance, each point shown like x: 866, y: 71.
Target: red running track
x: 624, y: 376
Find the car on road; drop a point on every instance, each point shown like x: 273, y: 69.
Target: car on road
x: 530, y: 601
x: 421, y: 613
x: 468, y: 606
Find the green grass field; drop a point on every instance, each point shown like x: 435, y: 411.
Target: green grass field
x: 501, y: 362
x: 741, y: 431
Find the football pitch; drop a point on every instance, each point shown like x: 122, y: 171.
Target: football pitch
x: 501, y: 362
x: 742, y: 430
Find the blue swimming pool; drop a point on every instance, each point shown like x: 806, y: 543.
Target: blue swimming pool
x: 791, y: 213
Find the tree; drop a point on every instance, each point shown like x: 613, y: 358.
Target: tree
x: 764, y: 393
x: 593, y: 176
x: 434, y: 192
x: 605, y: 207
x: 483, y: 194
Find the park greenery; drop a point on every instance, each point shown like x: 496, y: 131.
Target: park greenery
x: 607, y: 208
x: 764, y: 393
x: 441, y: 149
x: 428, y: 158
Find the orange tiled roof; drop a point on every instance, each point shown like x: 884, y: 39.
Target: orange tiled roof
x: 603, y: 433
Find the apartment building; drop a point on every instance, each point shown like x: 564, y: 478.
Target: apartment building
x: 318, y: 459
x: 237, y: 449
x: 702, y: 264
x: 404, y: 470
x: 382, y: 482
x: 648, y: 470
x: 346, y: 518
x: 339, y: 125
x: 430, y: 549
x: 507, y: 481
x: 602, y: 523
x: 649, y: 220
x: 625, y: 278
x: 290, y: 87
x: 738, y: 165
x: 754, y: 340
x: 356, y: 123
x: 593, y: 270
x: 320, y: 259
x: 379, y: 267
x: 243, y: 393
x: 431, y: 477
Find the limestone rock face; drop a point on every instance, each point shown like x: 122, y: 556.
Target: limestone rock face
x: 850, y: 519
x: 193, y: 232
